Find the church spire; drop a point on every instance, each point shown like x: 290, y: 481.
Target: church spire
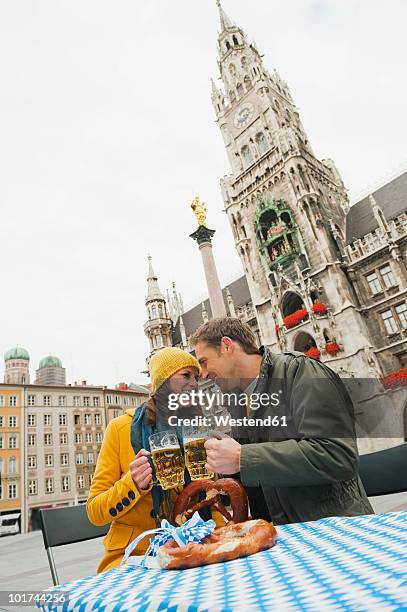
x: 224, y: 19
x: 153, y: 290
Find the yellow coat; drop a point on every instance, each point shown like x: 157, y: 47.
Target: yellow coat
x: 114, y: 497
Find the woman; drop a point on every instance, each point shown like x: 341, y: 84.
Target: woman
x: 121, y: 490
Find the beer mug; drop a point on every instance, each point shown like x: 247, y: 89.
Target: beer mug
x: 195, y: 453
x: 167, y: 459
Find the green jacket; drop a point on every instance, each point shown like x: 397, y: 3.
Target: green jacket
x: 309, y: 469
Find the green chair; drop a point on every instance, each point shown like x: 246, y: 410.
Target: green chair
x: 385, y: 471
x: 68, y: 525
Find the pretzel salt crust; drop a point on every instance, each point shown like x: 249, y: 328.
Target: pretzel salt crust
x: 233, y: 541
x: 188, y: 502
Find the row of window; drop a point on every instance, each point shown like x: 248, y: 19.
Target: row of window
x: 127, y: 401
x: 395, y: 318
x: 12, y: 466
x: 12, y: 491
x: 63, y: 460
x: 62, y: 419
x: 381, y: 279
x: 49, y: 484
x: 62, y: 400
x: 12, y: 441
x: 12, y: 401
x: 12, y: 421
x: 63, y: 438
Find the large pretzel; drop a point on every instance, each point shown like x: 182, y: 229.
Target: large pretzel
x: 229, y: 542
x: 188, y: 502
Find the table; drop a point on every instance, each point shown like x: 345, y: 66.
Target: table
x: 341, y: 563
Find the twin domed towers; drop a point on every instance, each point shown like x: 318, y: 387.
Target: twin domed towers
x: 17, y: 369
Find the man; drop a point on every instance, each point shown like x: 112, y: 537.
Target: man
x: 305, y: 466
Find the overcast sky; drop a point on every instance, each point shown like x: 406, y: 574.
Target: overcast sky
x: 107, y: 134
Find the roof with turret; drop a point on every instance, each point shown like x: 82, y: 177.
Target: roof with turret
x: 192, y: 319
x: 391, y: 198
x: 18, y: 352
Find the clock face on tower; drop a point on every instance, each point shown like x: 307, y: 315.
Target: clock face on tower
x: 243, y: 115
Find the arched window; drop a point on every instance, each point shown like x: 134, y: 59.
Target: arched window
x: 154, y: 311
x: 235, y: 41
x: 262, y: 143
x: 244, y: 62
x: 240, y: 91
x: 227, y: 44
x: 247, y: 156
x: 247, y: 83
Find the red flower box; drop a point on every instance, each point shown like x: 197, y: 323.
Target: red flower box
x: 313, y: 352
x: 319, y: 308
x: 332, y: 348
x: 395, y: 379
x: 277, y: 327
x: 295, y: 318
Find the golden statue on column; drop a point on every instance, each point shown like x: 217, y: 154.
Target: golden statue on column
x: 199, y: 210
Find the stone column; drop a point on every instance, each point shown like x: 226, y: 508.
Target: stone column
x: 203, y: 236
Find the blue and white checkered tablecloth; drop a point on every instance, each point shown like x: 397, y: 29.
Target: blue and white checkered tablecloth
x: 357, y: 563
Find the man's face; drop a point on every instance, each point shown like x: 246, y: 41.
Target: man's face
x: 218, y: 364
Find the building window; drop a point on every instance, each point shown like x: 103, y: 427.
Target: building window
x: 134, y: 401
x: 1, y: 421
x: 31, y: 420
x: 47, y: 400
x: 1, y: 440
x: 2, y: 401
x: 76, y: 400
x: 12, y: 442
x: 12, y: 465
x: 126, y: 400
x: 109, y: 399
x: 63, y: 438
x: 48, y: 439
x: 31, y: 400
x: 49, y: 485
x: 12, y: 491
x: 374, y: 284
x: 116, y: 413
x: 401, y: 310
x: 31, y: 439
x: 90, y: 458
x: 86, y: 401
x: 62, y: 400
x: 88, y: 419
x: 389, y: 322
x: 77, y: 419
x: 79, y: 459
x: 49, y: 460
x: 65, y: 486
x: 13, y: 400
x: 64, y: 459
x: 78, y: 438
x: 47, y: 420
x: 81, y: 482
x: 99, y: 437
x: 388, y: 277
x: 96, y: 402
x: 88, y: 437
x: 98, y: 418
x: 62, y: 419
x: 32, y: 487
x: 12, y: 421
x: 32, y: 461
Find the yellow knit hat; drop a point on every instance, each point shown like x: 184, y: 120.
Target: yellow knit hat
x: 166, y: 362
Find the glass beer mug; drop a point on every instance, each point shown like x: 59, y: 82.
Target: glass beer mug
x: 195, y: 453
x: 167, y: 459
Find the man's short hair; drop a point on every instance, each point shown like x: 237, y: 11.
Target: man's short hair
x: 214, y: 330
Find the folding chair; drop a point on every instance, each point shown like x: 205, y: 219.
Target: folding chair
x: 68, y: 525
x: 385, y: 471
